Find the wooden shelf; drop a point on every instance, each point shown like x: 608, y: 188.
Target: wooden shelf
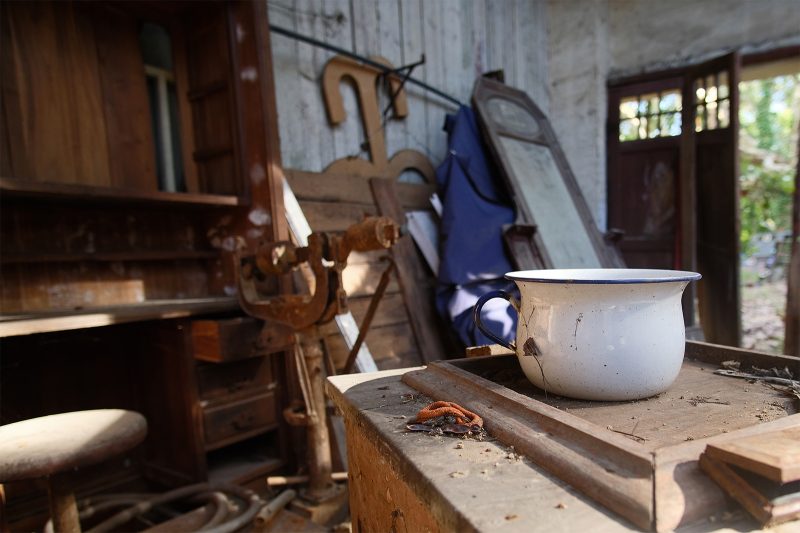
x: 46, y: 322
x: 144, y: 255
x: 89, y: 193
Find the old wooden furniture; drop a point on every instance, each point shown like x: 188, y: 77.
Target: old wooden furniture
x: 567, y: 460
x: 52, y: 447
x: 139, y: 151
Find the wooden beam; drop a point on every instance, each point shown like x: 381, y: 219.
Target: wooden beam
x: 411, y: 275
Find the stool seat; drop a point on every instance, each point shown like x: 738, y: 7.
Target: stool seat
x: 44, y: 446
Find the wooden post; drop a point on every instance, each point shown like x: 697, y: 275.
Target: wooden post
x: 63, y: 509
x: 791, y: 345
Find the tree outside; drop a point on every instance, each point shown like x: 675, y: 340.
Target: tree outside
x: 769, y: 114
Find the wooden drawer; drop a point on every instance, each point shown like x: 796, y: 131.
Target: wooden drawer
x: 226, y: 423
x: 226, y: 340
x: 215, y: 380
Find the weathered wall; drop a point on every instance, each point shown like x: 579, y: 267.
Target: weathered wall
x: 591, y: 41
x: 460, y: 40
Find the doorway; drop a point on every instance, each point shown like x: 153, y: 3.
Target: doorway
x: 769, y: 113
x: 674, y: 181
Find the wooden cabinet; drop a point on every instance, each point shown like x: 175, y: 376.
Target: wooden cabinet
x: 213, y: 419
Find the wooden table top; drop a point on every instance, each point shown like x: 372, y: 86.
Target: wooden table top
x: 482, y: 485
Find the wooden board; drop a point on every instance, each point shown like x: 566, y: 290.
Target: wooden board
x: 651, y: 479
x: 414, y: 279
x: 774, y: 455
x: 545, y: 191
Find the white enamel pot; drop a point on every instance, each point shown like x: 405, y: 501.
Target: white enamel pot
x: 597, y: 334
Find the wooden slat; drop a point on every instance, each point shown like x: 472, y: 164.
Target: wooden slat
x: 414, y: 280
x: 327, y: 216
x: 353, y: 189
x: 385, y: 342
x: 58, y: 86
x: 131, y: 152
x: 27, y: 324
x: 67, y: 191
x: 775, y: 455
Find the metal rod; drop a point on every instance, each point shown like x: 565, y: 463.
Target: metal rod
x: 362, y: 59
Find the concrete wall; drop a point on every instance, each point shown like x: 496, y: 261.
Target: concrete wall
x: 460, y: 40
x: 591, y: 41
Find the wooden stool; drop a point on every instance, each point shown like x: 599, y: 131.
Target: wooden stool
x: 51, y: 446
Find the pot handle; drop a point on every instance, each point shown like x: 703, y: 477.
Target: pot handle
x: 476, y: 315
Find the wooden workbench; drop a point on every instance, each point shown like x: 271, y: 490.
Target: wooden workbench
x: 404, y: 481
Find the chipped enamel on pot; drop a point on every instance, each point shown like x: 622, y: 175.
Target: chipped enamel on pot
x: 600, y: 334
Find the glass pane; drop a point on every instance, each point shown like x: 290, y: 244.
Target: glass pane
x: 699, y: 90
x: 722, y: 79
x: 156, y: 46
x: 700, y: 118
x: 629, y: 129
x: 627, y: 107
x: 724, y: 113
x: 711, y: 115
x: 652, y: 127
x: 643, y: 128
x: 670, y: 101
x: 653, y: 104
x: 711, y: 94
x: 710, y: 82
x: 643, y: 106
x: 675, y: 127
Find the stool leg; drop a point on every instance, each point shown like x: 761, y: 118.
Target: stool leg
x: 63, y: 509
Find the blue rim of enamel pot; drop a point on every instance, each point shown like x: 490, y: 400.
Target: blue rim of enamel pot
x: 603, y: 276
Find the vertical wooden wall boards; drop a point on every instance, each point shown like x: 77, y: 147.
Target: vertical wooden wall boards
x: 300, y: 230
x: 544, y: 189
x: 414, y: 281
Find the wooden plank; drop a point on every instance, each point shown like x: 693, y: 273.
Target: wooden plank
x: 59, y: 90
x: 178, y: 35
x: 413, y: 278
x: 329, y: 216
x: 43, y: 322
x: 717, y: 353
x: 774, y: 455
x: 327, y: 187
x: 767, y: 512
x: 393, y: 341
x: 131, y: 152
x: 606, y: 467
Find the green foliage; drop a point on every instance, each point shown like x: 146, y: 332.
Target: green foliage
x: 769, y: 115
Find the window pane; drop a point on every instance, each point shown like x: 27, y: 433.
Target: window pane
x: 156, y: 46
x: 652, y: 127
x: 724, y: 113
x: 670, y: 101
x: 699, y: 90
x: 653, y: 104
x: 627, y: 107
x: 670, y: 124
x: 710, y: 82
x: 643, y: 106
x: 711, y: 94
x: 723, y: 84
x: 629, y: 129
x: 711, y: 115
x: 643, y: 128
x: 700, y: 118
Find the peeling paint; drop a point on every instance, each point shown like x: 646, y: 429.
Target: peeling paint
x: 249, y: 74
x: 257, y: 173
x: 259, y: 217
x: 254, y: 233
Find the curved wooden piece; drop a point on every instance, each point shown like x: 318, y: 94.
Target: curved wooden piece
x: 365, y: 78
x: 410, y: 160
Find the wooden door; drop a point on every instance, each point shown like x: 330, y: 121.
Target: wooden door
x: 673, y: 183
x: 644, y: 170
x: 711, y: 158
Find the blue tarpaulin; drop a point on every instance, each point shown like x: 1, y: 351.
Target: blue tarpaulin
x: 472, y: 256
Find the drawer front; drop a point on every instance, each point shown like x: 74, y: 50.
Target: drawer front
x: 216, y: 380
x: 226, y: 340
x: 227, y: 423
